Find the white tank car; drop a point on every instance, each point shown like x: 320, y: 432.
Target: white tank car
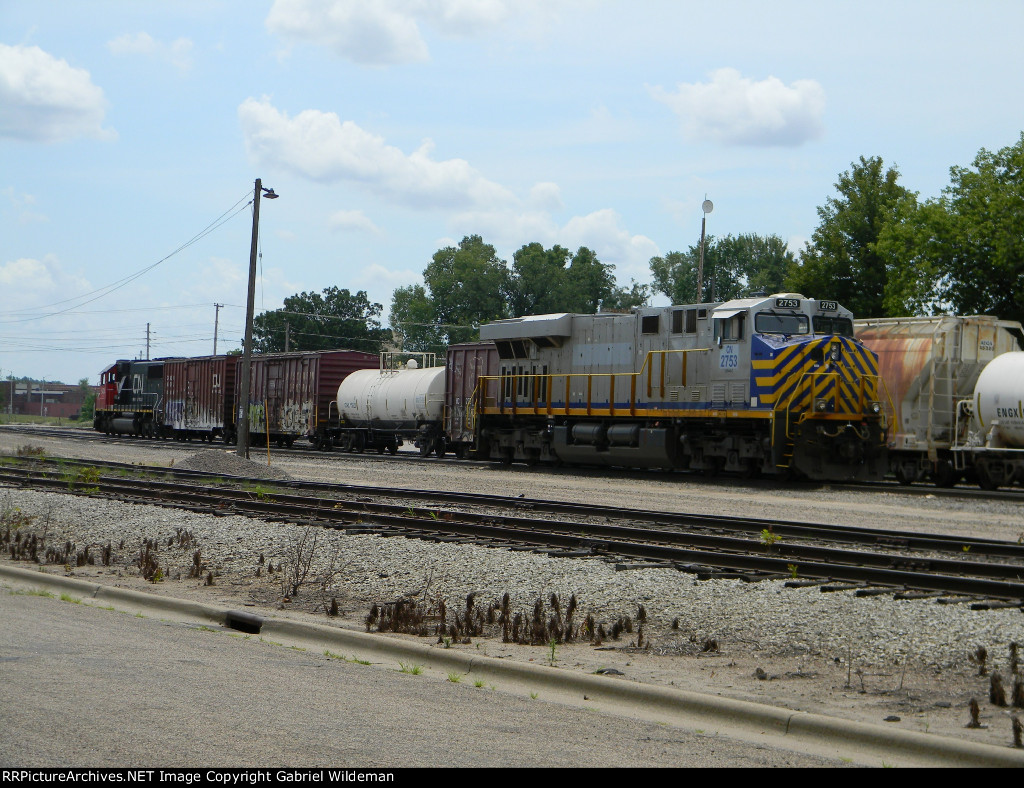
x: 999, y: 401
x: 397, y: 400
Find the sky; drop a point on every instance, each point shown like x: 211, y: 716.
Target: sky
x: 131, y: 134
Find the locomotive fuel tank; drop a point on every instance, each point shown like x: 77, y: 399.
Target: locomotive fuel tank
x: 999, y: 401
x: 399, y: 400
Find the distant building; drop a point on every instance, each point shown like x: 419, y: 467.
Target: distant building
x: 32, y: 398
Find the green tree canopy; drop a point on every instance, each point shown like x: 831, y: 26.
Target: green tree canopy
x: 964, y: 252
x: 842, y: 260
x: 467, y: 286
x: 733, y: 265
x: 321, y: 321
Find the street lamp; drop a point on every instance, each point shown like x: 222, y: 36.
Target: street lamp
x: 243, y: 388
x: 707, y: 206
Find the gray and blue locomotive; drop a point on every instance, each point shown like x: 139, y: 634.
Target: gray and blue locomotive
x: 766, y: 385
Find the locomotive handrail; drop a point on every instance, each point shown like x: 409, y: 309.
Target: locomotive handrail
x: 818, y: 375
x: 543, y: 404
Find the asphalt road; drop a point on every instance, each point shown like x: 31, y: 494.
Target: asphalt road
x: 82, y: 686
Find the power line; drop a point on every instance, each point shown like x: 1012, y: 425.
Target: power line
x: 108, y: 289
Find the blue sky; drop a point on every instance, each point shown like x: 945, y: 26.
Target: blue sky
x: 391, y: 128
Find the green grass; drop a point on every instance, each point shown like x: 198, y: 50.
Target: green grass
x: 415, y: 670
x: 68, y: 598
x: 454, y: 678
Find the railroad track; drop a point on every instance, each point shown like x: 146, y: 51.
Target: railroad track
x: 872, y: 561
x: 893, y: 487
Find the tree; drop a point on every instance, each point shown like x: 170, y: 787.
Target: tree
x: 88, y: 408
x: 732, y: 266
x: 981, y: 255
x: 334, y: 319
x: 545, y: 281
x: 465, y: 286
x: 842, y: 260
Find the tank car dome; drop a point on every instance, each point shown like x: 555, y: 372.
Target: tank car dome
x: 801, y: 296
x: 411, y: 364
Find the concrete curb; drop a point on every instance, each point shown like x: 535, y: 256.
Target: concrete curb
x: 861, y: 742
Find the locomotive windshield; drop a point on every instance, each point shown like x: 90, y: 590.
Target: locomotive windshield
x: 829, y: 324
x: 772, y: 323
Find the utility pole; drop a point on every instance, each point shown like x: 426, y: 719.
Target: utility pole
x: 707, y: 206
x: 147, y: 341
x: 246, y: 374
x: 216, y: 322
x: 286, y: 335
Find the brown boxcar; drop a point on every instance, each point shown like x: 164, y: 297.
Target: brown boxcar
x: 199, y: 396
x: 293, y: 395
x: 466, y: 362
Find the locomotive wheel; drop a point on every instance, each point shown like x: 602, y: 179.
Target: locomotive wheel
x: 439, y: 448
x: 425, y: 448
x: 359, y: 444
x: 392, y: 449
x: 460, y: 451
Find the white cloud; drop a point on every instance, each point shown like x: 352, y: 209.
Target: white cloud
x: 43, y: 98
x: 735, y: 110
x: 377, y: 278
x: 26, y: 274
x: 23, y: 204
x: 352, y: 220
x: 319, y: 146
x: 369, y: 32
x: 387, y: 32
x: 178, y: 53
x: 546, y: 196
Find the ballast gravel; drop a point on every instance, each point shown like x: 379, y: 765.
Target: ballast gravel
x: 870, y: 658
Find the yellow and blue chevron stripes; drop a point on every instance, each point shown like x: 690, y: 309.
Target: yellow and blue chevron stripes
x: 792, y: 376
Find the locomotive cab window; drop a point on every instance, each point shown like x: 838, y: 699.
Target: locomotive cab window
x: 729, y: 326
x: 827, y: 324
x: 649, y: 324
x: 773, y: 323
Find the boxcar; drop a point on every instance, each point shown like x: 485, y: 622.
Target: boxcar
x: 199, y: 397
x: 293, y: 395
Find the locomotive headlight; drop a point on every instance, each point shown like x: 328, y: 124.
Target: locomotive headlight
x: 821, y: 405
x: 876, y: 407
x: 833, y: 353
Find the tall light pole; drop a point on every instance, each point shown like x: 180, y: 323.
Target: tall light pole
x: 707, y: 206
x: 243, y: 387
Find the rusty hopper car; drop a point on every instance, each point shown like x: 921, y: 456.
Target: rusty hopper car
x: 293, y: 395
x: 929, y: 364
x: 199, y: 397
x: 775, y: 385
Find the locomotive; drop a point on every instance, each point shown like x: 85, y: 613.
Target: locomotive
x: 765, y: 385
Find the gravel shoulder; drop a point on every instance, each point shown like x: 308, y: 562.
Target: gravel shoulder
x: 862, y: 659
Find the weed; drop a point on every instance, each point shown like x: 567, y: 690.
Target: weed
x: 792, y: 570
x: 415, y: 670
x: 204, y: 628
x: 454, y: 678
x: 433, y: 515
x: 478, y: 684
x: 270, y: 642
x: 447, y: 642
x: 33, y: 452
x: 68, y: 598
x: 358, y: 661
x: 533, y: 696
x: 552, y: 645
x: 769, y: 538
